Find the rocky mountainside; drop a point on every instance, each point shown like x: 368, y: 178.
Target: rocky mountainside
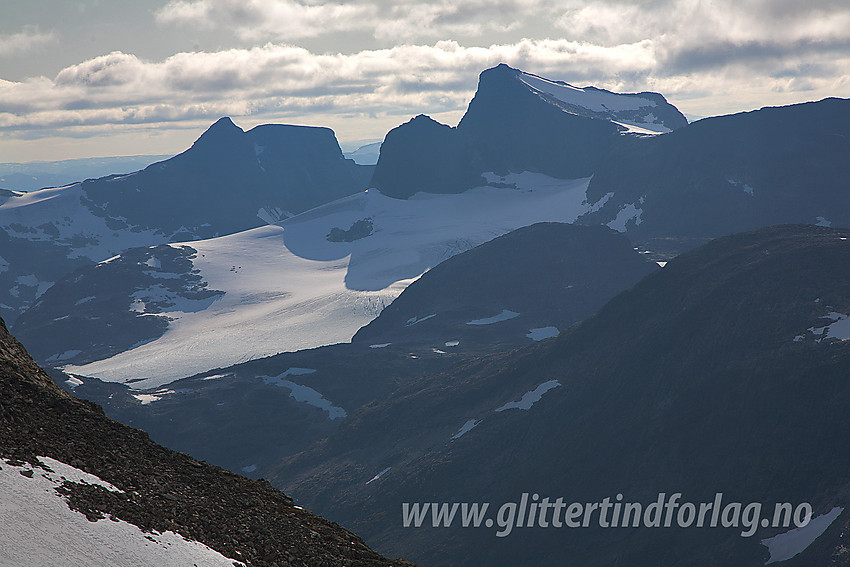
x: 526, y: 285
x: 45, y: 431
x: 723, y: 372
x: 516, y: 122
x: 730, y: 174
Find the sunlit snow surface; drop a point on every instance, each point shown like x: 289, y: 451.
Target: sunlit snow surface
x: 38, y: 528
x: 793, y: 542
x: 288, y: 288
x: 59, y: 215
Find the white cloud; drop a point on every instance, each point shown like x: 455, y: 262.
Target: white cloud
x: 28, y: 38
x: 286, y: 82
x: 120, y: 88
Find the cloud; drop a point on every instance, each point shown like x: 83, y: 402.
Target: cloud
x: 268, y: 19
x: 120, y: 88
x: 399, y: 20
x: 694, y: 34
x: 28, y: 38
x: 708, y: 56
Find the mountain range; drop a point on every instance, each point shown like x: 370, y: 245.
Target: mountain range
x: 558, y: 296
x: 228, y: 181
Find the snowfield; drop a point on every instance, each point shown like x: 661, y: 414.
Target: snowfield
x: 288, y: 287
x: 60, y: 215
x: 38, y: 528
x: 601, y: 101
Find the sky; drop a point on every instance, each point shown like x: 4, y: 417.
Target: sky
x: 93, y: 78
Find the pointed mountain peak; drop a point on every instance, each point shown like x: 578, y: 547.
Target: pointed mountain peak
x: 224, y: 123
x: 223, y: 131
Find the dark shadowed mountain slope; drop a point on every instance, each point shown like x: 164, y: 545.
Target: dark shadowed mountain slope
x: 516, y: 122
x: 731, y: 173
x: 528, y: 284
x: 247, y: 417
x: 228, y: 175
x: 724, y: 372
x: 158, y: 490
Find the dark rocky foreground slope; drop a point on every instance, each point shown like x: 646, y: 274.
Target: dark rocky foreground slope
x: 724, y: 372
x: 243, y: 519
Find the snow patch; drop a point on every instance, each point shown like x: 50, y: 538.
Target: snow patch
x: 73, y: 382
x: 217, y: 376
x: 793, y: 542
x: 542, y: 333
x: 416, y: 320
x: 67, y: 355
x: 743, y: 186
x: 626, y: 213
x: 838, y: 329
x: 465, y: 428
x: 379, y: 475
x: 305, y: 394
x: 249, y: 469
x: 146, y: 399
x: 452, y: 343
x: 530, y: 398
x: 503, y: 316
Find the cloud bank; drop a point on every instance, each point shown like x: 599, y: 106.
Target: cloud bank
x: 706, y: 56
